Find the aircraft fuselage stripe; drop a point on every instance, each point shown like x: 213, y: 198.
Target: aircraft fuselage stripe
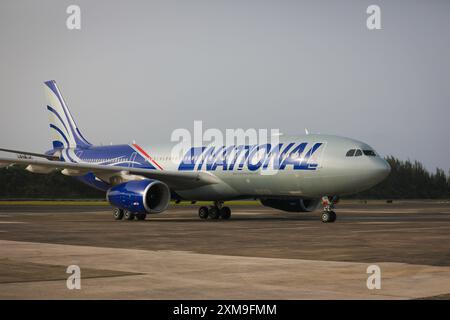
x: 146, y: 155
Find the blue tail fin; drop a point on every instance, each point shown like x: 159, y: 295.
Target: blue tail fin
x: 65, y: 130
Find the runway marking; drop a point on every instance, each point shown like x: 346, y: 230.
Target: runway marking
x: 64, y: 279
x: 399, y: 229
x: 11, y: 222
x: 383, y: 222
x: 394, y: 211
x: 281, y: 228
x: 187, y: 275
x: 405, y: 223
x: 46, y: 213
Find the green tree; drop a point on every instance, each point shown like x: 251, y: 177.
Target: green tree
x: 15, y: 182
x: 409, y: 180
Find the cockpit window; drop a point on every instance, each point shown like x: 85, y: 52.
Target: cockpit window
x: 359, y: 152
x: 369, y: 153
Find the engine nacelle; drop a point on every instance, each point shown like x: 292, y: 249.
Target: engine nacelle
x: 292, y: 205
x: 140, y: 196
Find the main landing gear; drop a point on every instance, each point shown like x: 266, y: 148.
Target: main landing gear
x: 328, y: 215
x: 215, y: 212
x: 119, y: 214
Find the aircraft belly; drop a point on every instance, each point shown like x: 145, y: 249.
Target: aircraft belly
x: 238, y: 184
x: 218, y: 191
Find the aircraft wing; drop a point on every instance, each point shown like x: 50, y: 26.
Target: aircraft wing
x: 173, y: 179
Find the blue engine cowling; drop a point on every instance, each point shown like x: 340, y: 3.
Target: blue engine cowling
x: 140, y: 196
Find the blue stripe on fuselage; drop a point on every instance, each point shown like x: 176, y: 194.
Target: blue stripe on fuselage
x: 117, y: 155
x: 120, y: 155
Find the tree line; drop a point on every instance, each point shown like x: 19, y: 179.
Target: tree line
x: 407, y: 180
x: 17, y: 183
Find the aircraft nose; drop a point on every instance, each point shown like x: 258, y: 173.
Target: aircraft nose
x: 381, y: 169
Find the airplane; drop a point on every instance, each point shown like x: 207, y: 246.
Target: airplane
x: 296, y: 174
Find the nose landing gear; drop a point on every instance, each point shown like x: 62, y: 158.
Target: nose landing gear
x: 328, y: 215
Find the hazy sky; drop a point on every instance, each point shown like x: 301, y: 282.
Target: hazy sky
x: 140, y: 69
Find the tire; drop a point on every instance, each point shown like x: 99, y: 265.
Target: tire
x: 225, y: 213
x: 203, y: 213
x: 214, y: 213
x: 128, y: 215
x: 333, y: 216
x: 141, y: 216
x: 118, y: 214
x: 328, y: 216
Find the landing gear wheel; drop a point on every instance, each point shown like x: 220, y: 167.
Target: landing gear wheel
x: 214, y: 213
x: 203, y: 212
x: 118, y: 214
x: 225, y: 213
x: 141, y: 216
x: 128, y: 215
x: 333, y: 216
x: 328, y: 216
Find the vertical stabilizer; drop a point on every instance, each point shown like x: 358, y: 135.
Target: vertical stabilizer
x: 65, y: 131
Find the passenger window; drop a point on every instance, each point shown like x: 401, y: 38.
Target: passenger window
x: 358, y: 153
x: 350, y: 153
x: 369, y: 153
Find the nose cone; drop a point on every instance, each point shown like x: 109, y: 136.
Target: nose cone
x: 380, y: 169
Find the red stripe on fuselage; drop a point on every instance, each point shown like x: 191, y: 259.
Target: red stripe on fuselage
x: 145, y: 154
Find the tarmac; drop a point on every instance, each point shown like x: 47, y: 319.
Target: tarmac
x: 260, y: 253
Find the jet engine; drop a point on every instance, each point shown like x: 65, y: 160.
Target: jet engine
x: 140, y: 196
x: 292, y: 205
